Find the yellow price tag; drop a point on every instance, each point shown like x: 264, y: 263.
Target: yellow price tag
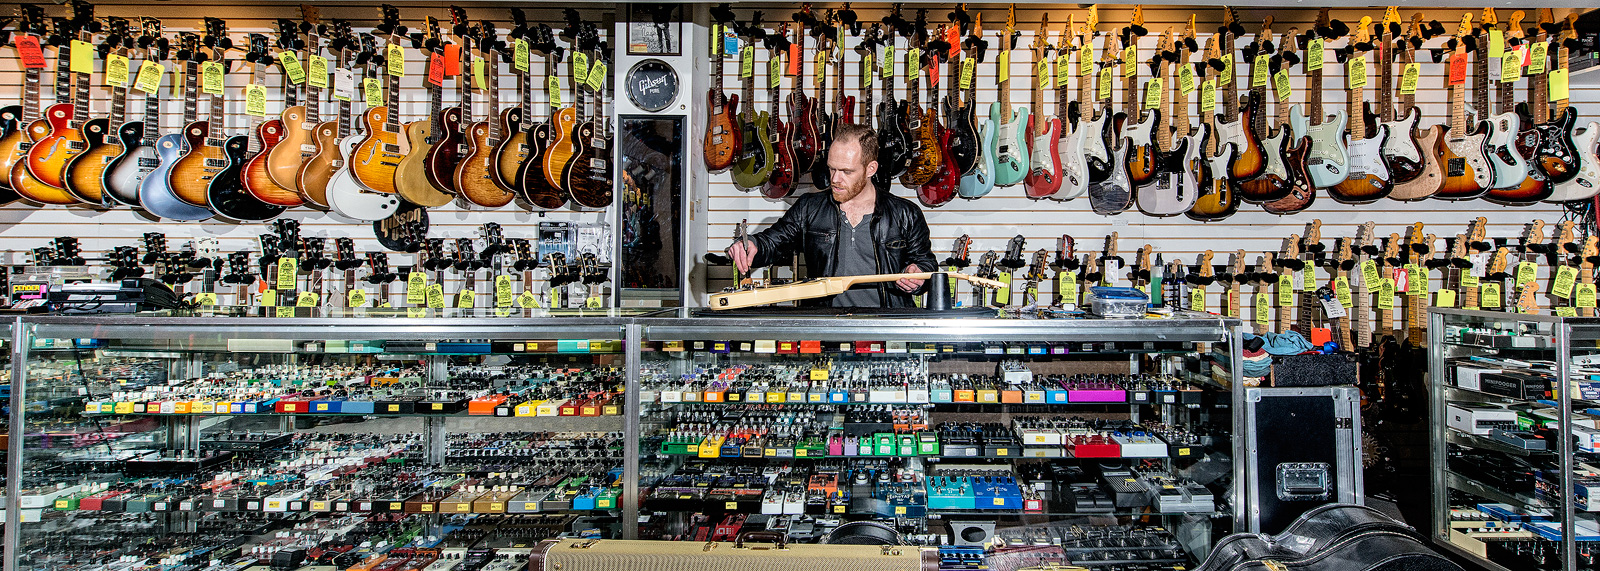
x: 116, y: 70
x: 1103, y: 89
x: 1497, y: 43
x: 1526, y: 272
x: 416, y: 312
x: 284, y: 311
x: 1197, y: 299
x: 747, y: 62
x: 82, y: 57
x: 502, y: 291
x: 1262, y: 311
x: 775, y: 72
x: 1408, y: 81
x: 435, y: 296
x: 1314, y: 54
x: 1130, y: 61
x: 553, y: 90
x: 1566, y: 311
x: 149, y: 78
x: 1538, y: 54
x: 519, y: 55
x: 1585, y: 297
x: 317, y: 71
x: 594, y: 302
x: 373, y: 91
x: 1445, y: 298
x: 467, y: 299
x: 416, y: 288
x: 288, y: 268
x: 307, y: 299
x: 1566, y: 277
x: 269, y: 298
x: 1186, y: 79
x: 1285, y: 289
x: 1152, y: 93
x: 580, y: 67
x: 1226, y: 75
x: 1041, y: 74
x: 395, y: 57
x: 205, y: 299
x: 291, y: 67
x: 1067, y: 286
x: 255, y: 100
x: 211, y: 77
x: 1386, y: 293
x: 597, y: 75
x: 1489, y: 295
x: 1281, y: 86
x: 356, y: 298
x: 527, y: 300
x: 967, y: 66
x: 1558, y: 84
x: 1259, y: 71
x: 1356, y: 72
x: 1341, y: 290
x: 1208, y: 96
x: 1005, y: 64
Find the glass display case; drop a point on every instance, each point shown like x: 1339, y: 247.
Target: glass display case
x: 326, y: 439
x: 1514, y: 413
x: 1085, y: 433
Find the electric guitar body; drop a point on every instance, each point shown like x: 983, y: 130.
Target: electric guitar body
x: 1405, y: 157
x: 285, y: 157
x: 229, y: 194
x: 535, y: 187
x: 123, y: 175
x: 258, y: 180
x: 781, y: 182
x: 1249, y: 159
x: 155, y: 194
x: 961, y: 122
x: 754, y: 164
x: 803, y: 136
x: 14, y: 148
x: 942, y: 187
x: 442, y: 158
x: 722, y: 129
x: 511, y: 152
x: 85, y: 172
x: 1176, y: 186
x: 981, y: 180
x: 1044, y: 159
x: 893, y: 143
x: 1011, y: 145
x: 1301, y: 192
x: 1507, y: 165
x: 588, y: 178
x: 476, y: 177
x: 1586, y: 183
x: 1429, y: 174
x: 1466, y: 171
x: 1142, y: 153
x: 559, y: 156
x: 312, y: 180
x: 1217, y: 199
x: 412, y: 180
x: 374, y: 159
x: 1369, y: 176
x: 1097, y: 148
x: 347, y: 197
x: 1327, y: 163
x: 1074, y: 164
x: 926, y: 157
x: 1555, y: 153
x: 1114, y: 194
x: 48, y: 157
x: 22, y: 179
x: 1273, y: 183
x: 191, y: 176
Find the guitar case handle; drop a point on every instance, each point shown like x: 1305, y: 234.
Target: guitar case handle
x: 781, y: 540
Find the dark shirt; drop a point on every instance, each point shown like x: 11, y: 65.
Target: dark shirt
x: 856, y: 258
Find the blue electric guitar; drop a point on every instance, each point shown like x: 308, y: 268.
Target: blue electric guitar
x: 1011, y: 125
x: 1327, y: 163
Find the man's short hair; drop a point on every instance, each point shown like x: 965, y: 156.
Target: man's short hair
x: 862, y: 135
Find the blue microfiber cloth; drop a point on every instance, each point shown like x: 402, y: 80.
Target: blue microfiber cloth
x: 1290, y: 343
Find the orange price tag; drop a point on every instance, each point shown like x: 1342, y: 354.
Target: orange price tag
x: 794, y: 60
x: 952, y: 35
x: 933, y: 75
x: 436, y: 69
x: 452, y: 59
x: 1458, y: 69
x: 28, y: 49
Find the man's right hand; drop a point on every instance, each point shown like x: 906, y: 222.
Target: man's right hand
x: 743, y: 253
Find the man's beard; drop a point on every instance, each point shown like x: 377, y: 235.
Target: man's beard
x: 852, y: 192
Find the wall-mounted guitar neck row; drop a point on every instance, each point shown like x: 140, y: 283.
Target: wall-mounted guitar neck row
x: 362, y: 169
x: 1147, y: 154
x: 1349, y: 288
x: 288, y: 270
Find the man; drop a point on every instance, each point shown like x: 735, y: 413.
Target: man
x: 852, y: 230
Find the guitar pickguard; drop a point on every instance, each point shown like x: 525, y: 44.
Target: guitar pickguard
x: 1328, y: 163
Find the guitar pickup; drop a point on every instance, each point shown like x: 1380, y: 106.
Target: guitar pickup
x: 76, y: 145
x: 219, y: 163
x: 391, y: 149
x: 600, y: 143
x: 149, y: 163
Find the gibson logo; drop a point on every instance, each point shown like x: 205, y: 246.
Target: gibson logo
x: 401, y: 219
x: 652, y: 83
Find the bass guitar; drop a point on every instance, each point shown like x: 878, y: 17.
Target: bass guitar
x: 137, y: 139
x: 348, y: 196
x: 85, y: 173
x: 413, y: 180
x: 314, y: 174
x: 264, y: 189
x: 1516, y: 180
x: 1044, y: 164
x: 1110, y: 186
x: 476, y: 176
x: 753, y: 166
x: 1327, y: 162
x: 1217, y: 200
x: 1412, y: 164
x: 781, y: 182
x: 588, y: 176
x: 49, y: 155
x: 155, y: 193
x: 1232, y: 125
x: 1466, y: 168
x: 299, y: 121
x: 1074, y: 146
x: 229, y: 194
x: 721, y: 143
x: 1011, y: 125
x: 375, y: 158
x: 1584, y: 179
x: 1368, y: 177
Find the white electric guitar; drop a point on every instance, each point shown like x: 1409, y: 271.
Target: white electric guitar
x: 1327, y: 164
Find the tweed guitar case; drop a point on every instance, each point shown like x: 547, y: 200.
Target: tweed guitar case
x: 742, y: 555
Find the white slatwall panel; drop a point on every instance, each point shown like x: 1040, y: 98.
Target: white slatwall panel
x: 994, y: 219
x: 25, y: 227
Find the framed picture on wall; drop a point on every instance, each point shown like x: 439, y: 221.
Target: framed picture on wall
x: 654, y: 29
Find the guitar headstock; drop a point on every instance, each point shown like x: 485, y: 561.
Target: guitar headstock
x: 1213, y: 51
x: 522, y: 250
x: 1190, y: 34
x: 1313, y: 237
x: 1496, y: 268
x: 1464, y: 28
x: 311, y: 15
x: 1141, y: 263
x: 257, y: 53
x: 1236, y: 267
x: 1067, y: 253
x: 1037, y: 267
x: 1206, y: 270
x: 1476, y: 234
x: 1344, y: 254
x: 313, y: 254
x: 1415, y: 239
x: 1138, y: 17
x: 1041, y: 41
x: 493, y: 240
x: 1013, y: 258
x: 960, y: 252
x: 216, y: 37
x: 1391, y: 250
x: 378, y: 263
x: 238, y: 270
x: 1264, y: 37
x: 1514, y: 25
x: 287, y: 232
x: 1011, y: 23
x: 389, y: 22
x: 155, y: 246
x: 1458, y: 249
x: 1092, y: 21
x: 986, y: 264
x: 344, y: 254
x: 1071, y: 31
x: 1290, y: 254
x: 119, y: 36
x: 1391, y: 17
x: 1533, y: 236
x: 32, y: 20
x: 589, y: 269
x: 1591, y: 249
x: 1365, y: 238
x: 81, y: 16
x: 1363, y: 33
x: 1110, y: 251
x: 1488, y: 19
x: 1565, y: 239
x: 466, y: 256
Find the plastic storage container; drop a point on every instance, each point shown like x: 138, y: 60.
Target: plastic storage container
x: 1117, y: 302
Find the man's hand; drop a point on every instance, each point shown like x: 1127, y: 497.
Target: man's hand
x: 743, y: 253
x: 909, y: 284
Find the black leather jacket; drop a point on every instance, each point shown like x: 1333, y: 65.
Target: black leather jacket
x: 899, y: 233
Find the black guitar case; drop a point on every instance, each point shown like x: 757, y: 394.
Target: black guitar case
x: 1333, y: 537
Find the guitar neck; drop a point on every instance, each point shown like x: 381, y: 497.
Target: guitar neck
x: 1285, y: 310
x: 1361, y: 308
x: 1180, y: 107
x: 1358, y: 127
x: 1385, y: 79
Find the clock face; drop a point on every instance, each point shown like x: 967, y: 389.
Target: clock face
x: 652, y: 85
